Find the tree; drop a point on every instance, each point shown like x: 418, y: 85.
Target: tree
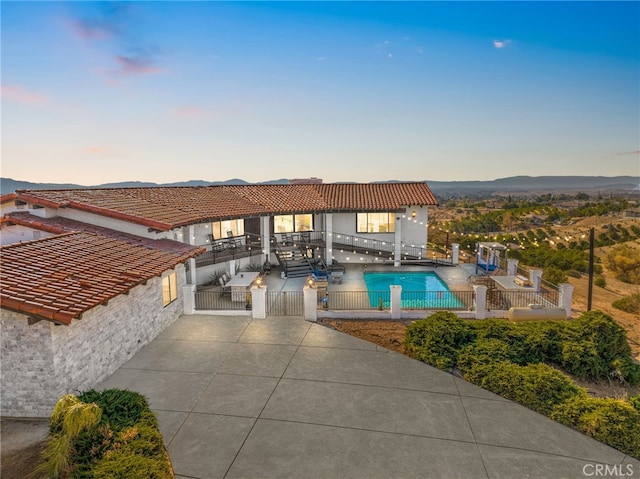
x: 624, y: 262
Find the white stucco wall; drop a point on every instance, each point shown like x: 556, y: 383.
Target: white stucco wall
x: 413, y: 231
x: 16, y: 233
x: 43, y: 361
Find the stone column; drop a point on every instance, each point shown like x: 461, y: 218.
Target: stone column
x: 480, y: 303
x: 455, y: 253
x: 396, y: 303
x: 189, y: 298
x: 310, y: 294
x: 512, y: 267
x: 565, y: 297
x: 258, y: 302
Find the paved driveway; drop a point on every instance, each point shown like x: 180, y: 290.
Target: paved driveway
x: 285, y: 398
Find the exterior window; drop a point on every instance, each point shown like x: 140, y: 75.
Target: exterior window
x: 227, y: 229
x: 292, y: 223
x: 376, y: 222
x: 169, y: 289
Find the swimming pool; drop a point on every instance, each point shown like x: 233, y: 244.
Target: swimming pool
x: 420, y: 290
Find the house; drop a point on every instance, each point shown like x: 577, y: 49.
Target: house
x: 240, y: 224
x: 90, y: 276
x: 78, y: 304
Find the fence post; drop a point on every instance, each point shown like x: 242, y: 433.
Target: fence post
x: 565, y: 297
x: 258, y: 302
x: 189, y: 299
x: 455, y: 253
x: 310, y: 303
x: 512, y: 267
x: 535, y: 276
x: 396, y: 304
x: 480, y: 302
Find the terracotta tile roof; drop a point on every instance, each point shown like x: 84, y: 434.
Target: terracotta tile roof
x: 58, y: 225
x: 60, y: 277
x: 165, y: 208
x: 8, y: 197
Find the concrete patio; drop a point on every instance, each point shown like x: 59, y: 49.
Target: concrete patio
x: 285, y: 398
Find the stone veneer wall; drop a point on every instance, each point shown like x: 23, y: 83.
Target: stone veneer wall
x: 43, y: 361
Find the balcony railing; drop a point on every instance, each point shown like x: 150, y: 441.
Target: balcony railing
x: 222, y: 250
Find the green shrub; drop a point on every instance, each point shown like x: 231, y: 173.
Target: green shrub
x: 475, y: 360
x: 541, y: 341
x: 121, y: 408
x: 555, y: 275
x: 628, y: 304
x: 625, y: 371
x: 436, y: 340
x: 612, y: 421
x: 581, y: 359
x: 122, y: 441
x: 536, y: 386
x: 600, y: 281
x: 123, y: 465
x: 635, y: 401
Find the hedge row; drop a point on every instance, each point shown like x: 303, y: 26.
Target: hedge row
x: 511, y: 360
x: 108, y: 434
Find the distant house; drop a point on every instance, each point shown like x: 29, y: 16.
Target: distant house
x: 78, y: 304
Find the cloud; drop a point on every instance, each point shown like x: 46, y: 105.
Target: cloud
x: 136, y: 65
x: 501, y: 43
x: 18, y: 94
x: 108, y: 22
x: 189, y: 111
x: 114, y: 28
x: 626, y: 153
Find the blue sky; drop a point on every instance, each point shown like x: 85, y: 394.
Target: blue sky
x: 96, y: 92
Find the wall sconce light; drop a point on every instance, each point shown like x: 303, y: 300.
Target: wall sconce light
x: 413, y: 214
x: 259, y: 282
x: 311, y: 282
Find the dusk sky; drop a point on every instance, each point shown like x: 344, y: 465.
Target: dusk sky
x: 363, y: 91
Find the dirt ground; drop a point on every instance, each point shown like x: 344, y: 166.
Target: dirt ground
x: 21, y: 442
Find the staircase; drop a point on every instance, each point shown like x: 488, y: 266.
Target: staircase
x: 294, y: 260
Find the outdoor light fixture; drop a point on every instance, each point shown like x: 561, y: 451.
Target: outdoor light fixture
x: 311, y: 282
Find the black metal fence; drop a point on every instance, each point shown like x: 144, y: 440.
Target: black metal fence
x: 285, y: 303
x: 410, y: 300
x: 219, y: 300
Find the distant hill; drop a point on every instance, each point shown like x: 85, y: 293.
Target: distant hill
x: 529, y: 185
x: 516, y: 185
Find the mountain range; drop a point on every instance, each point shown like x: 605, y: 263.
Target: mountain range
x: 516, y: 185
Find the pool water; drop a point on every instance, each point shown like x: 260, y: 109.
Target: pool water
x: 420, y: 290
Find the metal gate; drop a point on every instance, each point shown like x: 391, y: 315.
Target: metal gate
x: 285, y: 303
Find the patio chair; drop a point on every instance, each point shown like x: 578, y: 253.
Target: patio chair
x: 226, y: 290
